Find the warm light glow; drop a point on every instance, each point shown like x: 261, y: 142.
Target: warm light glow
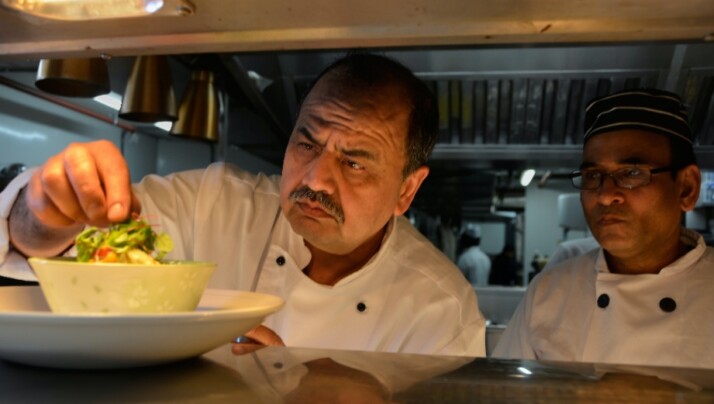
x: 111, y: 100
x: 527, y: 177
x: 73, y: 10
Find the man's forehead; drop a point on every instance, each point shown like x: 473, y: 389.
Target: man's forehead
x: 627, y: 146
x: 338, y: 85
x: 386, y: 102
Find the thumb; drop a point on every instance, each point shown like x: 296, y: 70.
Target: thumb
x: 265, y: 336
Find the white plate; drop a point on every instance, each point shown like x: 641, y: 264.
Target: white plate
x: 31, y: 334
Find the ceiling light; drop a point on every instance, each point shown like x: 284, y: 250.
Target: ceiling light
x: 165, y: 125
x: 75, y: 10
x: 111, y: 100
x: 527, y: 176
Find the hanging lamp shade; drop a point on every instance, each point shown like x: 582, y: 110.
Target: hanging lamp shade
x: 198, y: 113
x: 149, y: 94
x: 73, y: 77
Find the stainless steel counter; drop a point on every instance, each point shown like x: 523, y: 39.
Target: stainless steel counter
x: 309, y: 376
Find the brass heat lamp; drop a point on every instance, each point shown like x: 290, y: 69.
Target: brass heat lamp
x: 73, y: 77
x: 149, y: 94
x: 199, y: 111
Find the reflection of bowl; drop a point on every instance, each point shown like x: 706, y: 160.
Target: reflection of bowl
x: 84, y: 287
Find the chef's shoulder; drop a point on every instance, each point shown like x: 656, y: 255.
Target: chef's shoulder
x: 704, y: 274
x: 565, y: 278
x: 443, y: 299
x: 418, y: 256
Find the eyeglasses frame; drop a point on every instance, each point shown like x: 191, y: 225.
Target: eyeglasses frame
x: 658, y: 170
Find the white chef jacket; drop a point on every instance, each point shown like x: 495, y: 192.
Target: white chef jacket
x: 475, y: 265
x: 580, y: 311
x: 571, y: 248
x: 408, y: 298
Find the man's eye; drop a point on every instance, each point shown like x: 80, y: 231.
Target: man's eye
x: 591, y: 175
x: 353, y: 165
x: 632, y: 172
x: 305, y: 146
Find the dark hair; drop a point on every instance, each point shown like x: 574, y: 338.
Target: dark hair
x: 682, y: 155
x: 469, y: 241
x: 365, y: 70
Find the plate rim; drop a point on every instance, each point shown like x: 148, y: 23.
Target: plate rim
x: 209, y: 313
x: 116, y: 341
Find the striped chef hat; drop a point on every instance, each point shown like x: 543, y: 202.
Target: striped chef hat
x: 645, y: 109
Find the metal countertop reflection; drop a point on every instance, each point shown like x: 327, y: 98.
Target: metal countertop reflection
x: 311, y: 375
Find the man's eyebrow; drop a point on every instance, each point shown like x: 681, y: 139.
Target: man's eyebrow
x: 362, y: 153
x: 303, y: 130
x: 359, y: 153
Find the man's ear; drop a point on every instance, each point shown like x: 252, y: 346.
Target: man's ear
x: 409, y: 188
x: 691, y: 182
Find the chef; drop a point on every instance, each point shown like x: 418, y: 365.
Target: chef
x: 473, y: 262
x: 646, y: 296
x: 328, y: 236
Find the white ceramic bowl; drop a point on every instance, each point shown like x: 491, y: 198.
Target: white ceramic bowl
x: 83, y: 287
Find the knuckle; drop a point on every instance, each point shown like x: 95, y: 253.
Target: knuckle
x: 74, y: 152
x: 78, y: 161
x: 52, y: 177
x: 105, y: 143
x: 104, y: 147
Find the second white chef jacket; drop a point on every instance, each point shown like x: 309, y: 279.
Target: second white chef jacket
x: 580, y: 311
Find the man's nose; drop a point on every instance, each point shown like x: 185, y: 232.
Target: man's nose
x: 609, y: 192
x: 320, y: 176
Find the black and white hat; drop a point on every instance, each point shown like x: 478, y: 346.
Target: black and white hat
x: 645, y: 109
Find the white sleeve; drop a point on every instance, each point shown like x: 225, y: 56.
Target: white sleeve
x: 515, y: 340
x: 470, y: 342
x: 468, y: 328
x: 12, y: 263
x: 560, y: 254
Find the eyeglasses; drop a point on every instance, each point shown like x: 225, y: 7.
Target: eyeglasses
x: 626, y: 177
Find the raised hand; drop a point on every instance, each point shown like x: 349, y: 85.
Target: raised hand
x: 86, y: 184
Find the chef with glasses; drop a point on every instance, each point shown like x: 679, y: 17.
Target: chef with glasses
x: 646, y: 296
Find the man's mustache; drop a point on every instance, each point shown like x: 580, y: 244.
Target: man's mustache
x: 332, y: 207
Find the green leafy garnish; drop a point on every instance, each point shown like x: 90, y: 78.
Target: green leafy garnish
x: 132, y: 241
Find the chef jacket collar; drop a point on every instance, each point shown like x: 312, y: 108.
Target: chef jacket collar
x: 376, y: 258
x: 373, y: 262
x: 683, y: 263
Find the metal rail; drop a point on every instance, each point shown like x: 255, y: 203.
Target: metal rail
x: 64, y: 103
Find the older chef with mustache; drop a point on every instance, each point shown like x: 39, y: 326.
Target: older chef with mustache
x: 646, y: 296
x: 328, y: 236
